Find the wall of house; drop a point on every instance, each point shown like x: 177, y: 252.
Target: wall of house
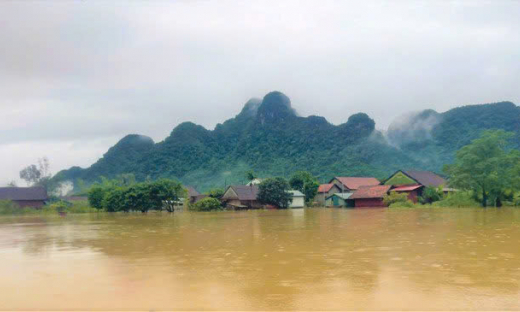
x: 320, y: 199
x: 30, y: 203
x: 298, y: 202
x: 369, y: 202
x: 400, y: 179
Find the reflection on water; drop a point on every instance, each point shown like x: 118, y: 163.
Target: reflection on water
x: 295, y: 259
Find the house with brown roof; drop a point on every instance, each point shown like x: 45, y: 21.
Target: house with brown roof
x: 241, y: 197
x: 194, y: 195
x: 34, y: 197
x: 413, y: 182
x: 350, y: 184
x: 324, y: 191
x: 370, y: 196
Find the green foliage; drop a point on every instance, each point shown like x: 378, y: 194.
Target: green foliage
x: 11, y: 208
x: 396, y: 198
x: 115, y: 200
x: 431, y: 194
x: 306, y: 183
x: 207, y: 204
x: 8, y: 207
x: 216, y: 193
x: 96, y: 195
x: 274, y: 191
x: 59, y: 206
x: 250, y: 175
x: 404, y: 204
x: 457, y: 199
x: 166, y: 193
x: 487, y: 167
x: 270, y: 139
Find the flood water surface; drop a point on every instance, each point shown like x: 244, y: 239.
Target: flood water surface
x: 312, y: 259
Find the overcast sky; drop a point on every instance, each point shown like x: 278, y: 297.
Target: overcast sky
x: 76, y: 76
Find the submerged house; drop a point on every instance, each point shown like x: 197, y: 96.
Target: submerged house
x: 34, y: 197
x: 194, y: 195
x: 340, y: 200
x: 241, y: 197
x: 298, y: 199
x: 350, y: 184
x: 370, y: 196
x: 413, y: 182
x: 324, y: 191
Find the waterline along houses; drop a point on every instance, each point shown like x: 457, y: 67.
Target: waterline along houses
x: 34, y: 197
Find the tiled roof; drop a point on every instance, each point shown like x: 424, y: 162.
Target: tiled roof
x: 324, y: 188
x: 377, y: 191
x: 426, y: 178
x: 23, y: 193
x: 406, y: 188
x: 246, y: 192
x: 353, y: 183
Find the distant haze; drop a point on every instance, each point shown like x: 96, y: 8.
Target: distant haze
x: 76, y: 76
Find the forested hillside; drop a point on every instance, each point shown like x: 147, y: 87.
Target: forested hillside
x: 270, y: 138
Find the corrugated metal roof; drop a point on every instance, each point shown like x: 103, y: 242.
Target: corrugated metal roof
x: 353, y: 183
x: 296, y: 193
x: 426, y: 178
x: 341, y: 195
x: 406, y: 188
x: 324, y: 188
x: 245, y: 192
x: 23, y: 193
x: 377, y: 191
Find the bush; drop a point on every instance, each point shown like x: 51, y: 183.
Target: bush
x: 457, y: 199
x: 207, y: 204
x: 431, y: 195
x: 8, y: 207
x: 405, y: 204
x: 396, y: 198
x: 114, y: 199
x: 95, y: 196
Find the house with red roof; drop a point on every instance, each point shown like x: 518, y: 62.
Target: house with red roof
x: 413, y: 182
x: 370, y: 196
x: 351, y: 184
x: 324, y: 191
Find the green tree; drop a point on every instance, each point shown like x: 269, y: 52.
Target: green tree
x: 138, y: 197
x: 207, y: 204
x: 274, y: 191
x: 431, y: 194
x: 166, y: 193
x: 114, y: 200
x: 96, y: 194
x: 216, y: 193
x: 250, y: 175
x: 486, y: 167
x: 306, y: 183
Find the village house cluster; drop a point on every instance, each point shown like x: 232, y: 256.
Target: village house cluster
x: 354, y: 192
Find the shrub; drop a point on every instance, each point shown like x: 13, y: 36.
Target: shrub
x: 8, y: 207
x: 114, y: 199
x: 405, y: 204
x: 457, y: 199
x: 207, y: 204
x: 394, y: 198
x: 431, y: 195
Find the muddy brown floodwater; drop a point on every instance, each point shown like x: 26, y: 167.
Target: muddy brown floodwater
x: 312, y: 259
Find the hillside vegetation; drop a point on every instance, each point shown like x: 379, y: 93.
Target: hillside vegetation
x: 269, y: 137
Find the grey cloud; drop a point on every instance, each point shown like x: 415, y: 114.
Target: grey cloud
x: 78, y: 71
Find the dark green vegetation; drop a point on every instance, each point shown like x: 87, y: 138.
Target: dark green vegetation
x: 207, y: 204
x: 488, y: 167
x: 115, y: 195
x: 11, y: 208
x: 271, y: 139
x: 304, y: 182
x: 274, y: 192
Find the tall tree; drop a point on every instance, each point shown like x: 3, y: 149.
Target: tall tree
x: 306, y: 183
x: 486, y: 166
x: 274, y: 191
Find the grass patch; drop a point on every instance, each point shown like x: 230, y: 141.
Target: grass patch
x: 10, y: 208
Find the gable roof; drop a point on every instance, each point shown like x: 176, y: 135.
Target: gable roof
x: 23, y: 193
x: 244, y: 192
x: 353, y: 183
x: 377, y: 191
x: 324, y: 188
x: 192, y: 192
x: 426, y: 178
